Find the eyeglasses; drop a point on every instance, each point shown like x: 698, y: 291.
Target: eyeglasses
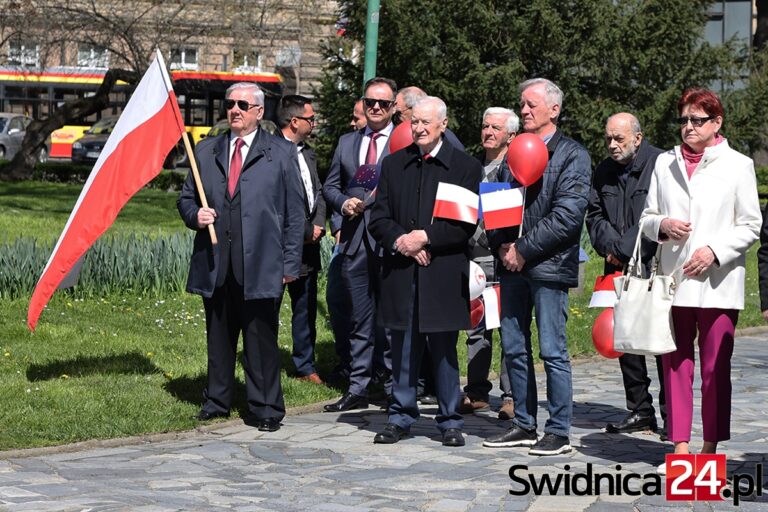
x: 310, y: 119
x: 696, y: 122
x: 383, y: 104
x: 241, y: 104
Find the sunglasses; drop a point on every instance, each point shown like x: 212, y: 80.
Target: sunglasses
x: 310, y: 119
x: 696, y: 122
x: 383, y: 104
x: 241, y: 104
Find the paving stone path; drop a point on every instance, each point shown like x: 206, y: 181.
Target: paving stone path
x: 327, y: 462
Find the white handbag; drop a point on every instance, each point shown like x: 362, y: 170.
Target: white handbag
x: 642, y: 315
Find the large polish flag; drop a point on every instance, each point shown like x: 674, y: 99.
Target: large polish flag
x: 604, y: 294
x: 492, y: 302
x: 503, y: 208
x: 455, y: 202
x: 148, y: 128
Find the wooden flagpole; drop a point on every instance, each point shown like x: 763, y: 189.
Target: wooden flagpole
x: 198, y: 183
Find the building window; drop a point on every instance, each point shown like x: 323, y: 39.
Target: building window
x: 247, y: 61
x: 90, y: 56
x: 23, y: 52
x: 289, y: 56
x: 184, y: 58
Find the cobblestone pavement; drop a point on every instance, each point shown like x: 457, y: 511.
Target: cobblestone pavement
x: 327, y: 462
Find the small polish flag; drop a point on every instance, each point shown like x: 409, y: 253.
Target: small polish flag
x: 455, y: 202
x: 503, y: 208
x: 492, y: 307
x: 604, y: 295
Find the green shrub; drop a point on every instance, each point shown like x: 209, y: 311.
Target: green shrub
x: 62, y: 172
x: 137, y: 264
x: 168, y: 180
x: 762, y: 176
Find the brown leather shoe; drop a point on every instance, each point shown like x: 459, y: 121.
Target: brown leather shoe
x: 507, y: 411
x: 312, y: 377
x: 469, y: 406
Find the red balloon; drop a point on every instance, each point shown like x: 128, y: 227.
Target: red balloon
x: 602, y: 334
x: 527, y: 158
x: 476, y: 311
x: 401, y: 137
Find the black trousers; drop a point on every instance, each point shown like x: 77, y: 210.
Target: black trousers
x: 227, y: 315
x: 634, y: 372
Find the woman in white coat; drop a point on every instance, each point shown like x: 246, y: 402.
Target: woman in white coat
x: 703, y: 208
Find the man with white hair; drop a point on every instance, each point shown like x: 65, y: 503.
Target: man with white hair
x: 538, y: 265
x: 617, y: 199
x: 424, y: 277
x: 254, y: 191
x: 500, y: 125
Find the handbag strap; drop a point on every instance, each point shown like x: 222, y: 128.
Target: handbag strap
x: 636, y: 260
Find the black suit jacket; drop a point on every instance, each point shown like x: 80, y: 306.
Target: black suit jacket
x: 615, y: 206
x: 405, y: 201
x: 310, y: 257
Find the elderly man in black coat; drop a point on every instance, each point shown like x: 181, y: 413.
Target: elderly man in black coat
x: 616, y: 201
x: 424, y: 295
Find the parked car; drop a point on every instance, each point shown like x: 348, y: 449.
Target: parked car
x: 13, y: 128
x: 86, y: 149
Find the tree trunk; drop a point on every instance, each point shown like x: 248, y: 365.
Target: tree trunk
x: 761, y: 32
x: 23, y: 163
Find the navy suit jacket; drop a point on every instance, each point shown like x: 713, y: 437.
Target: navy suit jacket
x: 272, y: 214
x: 346, y: 161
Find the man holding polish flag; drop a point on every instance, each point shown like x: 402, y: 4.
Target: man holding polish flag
x: 148, y: 128
x: 500, y: 126
x: 424, y: 214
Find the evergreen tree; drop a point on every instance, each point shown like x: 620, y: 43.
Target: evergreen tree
x: 606, y: 55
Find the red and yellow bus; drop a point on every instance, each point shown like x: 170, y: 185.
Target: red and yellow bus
x: 200, y: 95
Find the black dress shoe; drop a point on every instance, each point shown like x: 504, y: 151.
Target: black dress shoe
x: 268, y: 425
x: 204, y: 415
x: 634, y: 422
x: 391, y: 434
x: 453, y: 437
x: 347, y: 402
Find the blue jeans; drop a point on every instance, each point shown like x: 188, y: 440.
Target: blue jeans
x: 520, y: 296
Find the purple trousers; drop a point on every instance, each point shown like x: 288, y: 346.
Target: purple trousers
x: 716, y: 329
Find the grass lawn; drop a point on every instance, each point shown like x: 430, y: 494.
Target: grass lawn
x: 40, y: 210
x: 128, y: 364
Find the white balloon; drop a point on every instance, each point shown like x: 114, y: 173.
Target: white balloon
x: 476, y: 280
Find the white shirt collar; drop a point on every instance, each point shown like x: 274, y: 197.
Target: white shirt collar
x: 248, y: 139
x: 384, y: 131
x: 435, y: 150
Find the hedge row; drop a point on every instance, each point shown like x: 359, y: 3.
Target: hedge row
x: 133, y: 264
x: 114, y: 265
x: 67, y: 172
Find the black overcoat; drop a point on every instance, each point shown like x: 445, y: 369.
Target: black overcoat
x: 404, y: 202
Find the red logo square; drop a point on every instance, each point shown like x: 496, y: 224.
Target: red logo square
x: 695, y: 477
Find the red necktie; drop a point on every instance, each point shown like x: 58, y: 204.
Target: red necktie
x: 235, y: 166
x: 371, y: 156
